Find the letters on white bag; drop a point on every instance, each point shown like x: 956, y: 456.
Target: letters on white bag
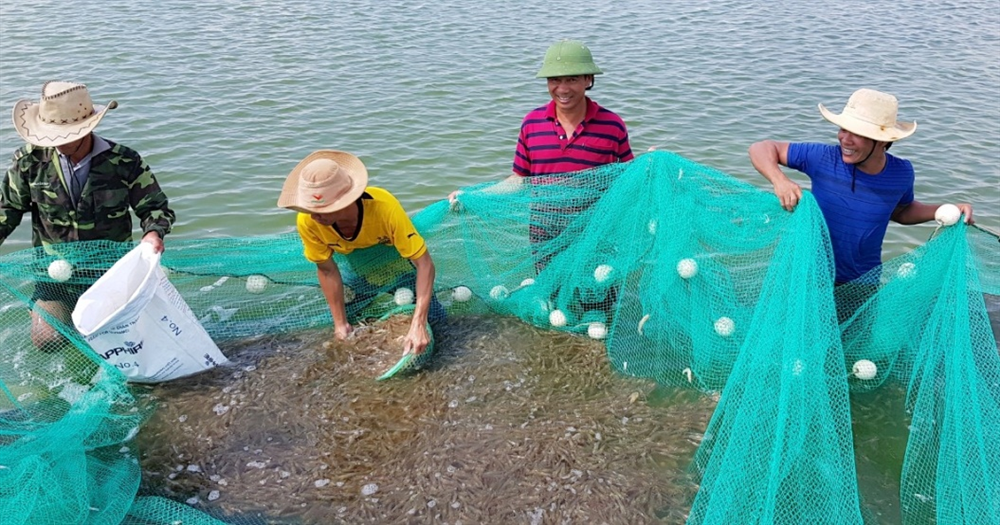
x: 136, y: 320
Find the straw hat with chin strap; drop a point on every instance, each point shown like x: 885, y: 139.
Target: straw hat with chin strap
x: 871, y: 114
x: 324, y: 182
x: 64, y: 114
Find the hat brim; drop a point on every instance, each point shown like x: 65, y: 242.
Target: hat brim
x: 356, y: 169
x: 571, y: 70
x: 866, y: 129
x: 35, y: 131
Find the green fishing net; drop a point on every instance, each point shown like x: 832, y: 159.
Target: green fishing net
x: 68, y: 419
x: 691, y: 278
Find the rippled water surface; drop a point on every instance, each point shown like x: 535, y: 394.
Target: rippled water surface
x: 224, y: 97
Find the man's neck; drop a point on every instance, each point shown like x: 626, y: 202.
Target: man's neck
x: 573, y: 116
x: 875, y: 164
x: 84, y: 149
x: 348, y: 218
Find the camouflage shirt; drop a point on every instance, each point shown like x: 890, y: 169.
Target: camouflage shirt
x: 118, y: 179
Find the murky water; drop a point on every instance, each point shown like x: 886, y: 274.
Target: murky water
x: 510, y: 425
x: 880, y: 426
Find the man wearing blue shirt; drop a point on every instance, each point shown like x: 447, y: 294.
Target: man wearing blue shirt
x: 858, y: 186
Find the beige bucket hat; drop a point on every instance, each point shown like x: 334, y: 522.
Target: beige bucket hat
x: 324, y: 182
x: 871, y: 114
x: 64, y: 114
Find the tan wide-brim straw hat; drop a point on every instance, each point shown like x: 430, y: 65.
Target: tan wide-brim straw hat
x: 324, y: 182
x: 64, y: 114
x: 871, y: 114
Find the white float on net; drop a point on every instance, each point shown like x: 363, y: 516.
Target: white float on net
x: 256, y: 283
x: 461, y: 294
x: 724, y: 326
x: 403, y: 296
x: 597, y: 330
x: 60, y: 270
x: 499, y: 292
x: 603, y: 272
x: 947, y: 214
x: 687, y: 268
x: 907, y: 270
x: 864, y: 369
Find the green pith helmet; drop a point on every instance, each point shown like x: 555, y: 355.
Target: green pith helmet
x: 567, y: 58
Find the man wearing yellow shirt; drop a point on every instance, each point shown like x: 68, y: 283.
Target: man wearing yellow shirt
x: 339, y: 212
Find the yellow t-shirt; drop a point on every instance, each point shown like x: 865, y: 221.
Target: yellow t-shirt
x: 382, y: 221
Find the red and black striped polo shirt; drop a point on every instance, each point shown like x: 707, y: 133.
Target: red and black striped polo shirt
x: 544, y: 149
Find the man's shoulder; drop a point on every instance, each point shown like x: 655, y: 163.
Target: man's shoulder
x: 119, y: 160
x: 899, y: 171
x: 814, y: 147
x: 121, y: 150
x: 304, y: 222
x: 29, y: 153
x: 379, y: 199
x: 814, y: 157
x: 594, y: 107
x: 598, y: 114
x: 378, y: 194
x: 606, y: 114
x: 813, y: 150
x: 540, y: 113
x: 381, y: 203
x: 898, y: 163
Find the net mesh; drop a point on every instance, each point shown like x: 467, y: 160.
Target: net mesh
x: 691, y: 278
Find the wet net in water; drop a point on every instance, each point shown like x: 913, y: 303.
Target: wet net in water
x: 656, y: 272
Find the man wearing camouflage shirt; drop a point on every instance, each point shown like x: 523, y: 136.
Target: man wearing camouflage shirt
x: 78, y: 187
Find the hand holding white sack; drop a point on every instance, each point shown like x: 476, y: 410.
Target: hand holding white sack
x: 135, y: 319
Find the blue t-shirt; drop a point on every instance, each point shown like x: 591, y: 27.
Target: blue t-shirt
x: 856, y: 217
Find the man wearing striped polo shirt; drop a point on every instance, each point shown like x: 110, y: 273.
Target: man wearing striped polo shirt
x: 569, y: 134
x: 572, y: 132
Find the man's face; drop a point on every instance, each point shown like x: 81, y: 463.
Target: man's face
x: 854, y: 148
x: 328, y: 219
x: 72, y: 148
x: 569, y: 92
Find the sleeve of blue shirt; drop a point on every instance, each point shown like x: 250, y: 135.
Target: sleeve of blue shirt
x: 806, y: 156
